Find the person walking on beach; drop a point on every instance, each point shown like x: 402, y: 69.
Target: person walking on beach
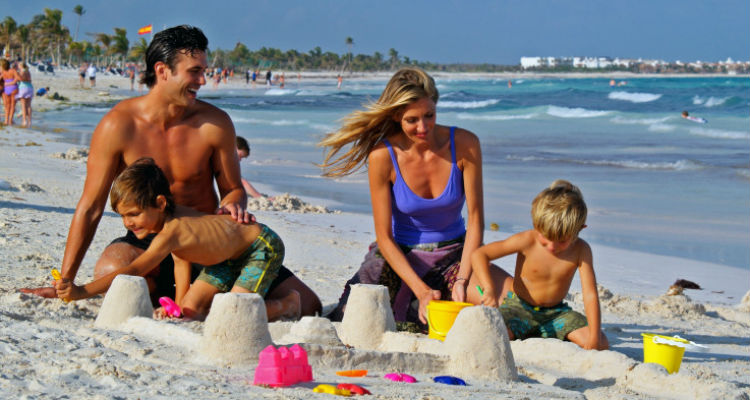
x: 25, y: 94
x: 420, y: 174
x: 268, y: 78
x: 91, y: 72
x: 10, y: 89
x: 82, y: 74
x: 192, y: 141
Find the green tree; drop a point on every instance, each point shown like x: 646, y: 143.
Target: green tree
x: 7, y: 29
x: 79, y: 11
x: 120, y: 44
x: 394, y: 57
x: 349, y: 44
x: 138, y: 51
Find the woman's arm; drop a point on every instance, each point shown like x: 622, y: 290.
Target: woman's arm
x: 469, y: 158
x: 379, y: 171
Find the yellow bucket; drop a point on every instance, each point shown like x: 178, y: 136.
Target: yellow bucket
x: 440, y: 316
x: 669, y: 356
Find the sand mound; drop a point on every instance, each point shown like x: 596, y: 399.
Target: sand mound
x: 74, y: 154
x: 312, y: 330
x: 286, y: 202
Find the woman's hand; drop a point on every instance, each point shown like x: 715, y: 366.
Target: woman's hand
x: 459, y: 290
x: 425, y: 299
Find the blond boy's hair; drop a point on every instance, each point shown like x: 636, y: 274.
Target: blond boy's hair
x: 559, y: 212
x: 140, y: 184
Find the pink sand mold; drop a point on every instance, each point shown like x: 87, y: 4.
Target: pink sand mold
x: 282, y: 366
x: 397, y: 377
x: 172, y: 309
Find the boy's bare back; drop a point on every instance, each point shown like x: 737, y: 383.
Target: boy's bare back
x: 206, y: 239
x: 543, y: 278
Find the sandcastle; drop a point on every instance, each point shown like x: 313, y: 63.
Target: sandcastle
x: 237, y: 330
x: 127, y: 297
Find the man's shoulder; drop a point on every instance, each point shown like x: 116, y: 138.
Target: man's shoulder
x: 207, y: 112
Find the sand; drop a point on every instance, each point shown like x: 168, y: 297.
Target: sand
x: 53, y: 349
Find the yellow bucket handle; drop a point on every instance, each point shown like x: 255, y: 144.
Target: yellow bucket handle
x: 690, y: 343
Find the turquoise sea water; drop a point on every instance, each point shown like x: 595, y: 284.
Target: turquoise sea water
x: 653, y: 181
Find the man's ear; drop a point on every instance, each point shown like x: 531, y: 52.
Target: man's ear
x: 160, y: 68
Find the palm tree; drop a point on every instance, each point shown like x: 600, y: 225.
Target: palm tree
x: 23, y: 37
x: 120, y: 43
x: 349, y: 44
x: 394, y: 57
x: 54, y: 30
x: 106, y: 41
x: 7, y: 29
x: 138, y: 51
x: 78, y: 10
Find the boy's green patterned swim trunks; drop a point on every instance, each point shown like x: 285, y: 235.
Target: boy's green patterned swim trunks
x: 526, y: 321
x: 254, y: 270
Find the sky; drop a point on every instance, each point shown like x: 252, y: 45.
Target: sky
x: 443, y: 31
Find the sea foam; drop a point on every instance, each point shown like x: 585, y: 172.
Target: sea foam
x: 634, y: 97
x: 468, y: 104
x: 719, y: 134
x: 564, y: 112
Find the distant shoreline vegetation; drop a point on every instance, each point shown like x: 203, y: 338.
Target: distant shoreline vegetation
x: 44, y: 38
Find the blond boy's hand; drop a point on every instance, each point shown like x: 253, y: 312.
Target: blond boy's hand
x: 489, y: 298
x: 160, y: 313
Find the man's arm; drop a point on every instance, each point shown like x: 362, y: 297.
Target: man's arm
x: 226, y: 168
x: 104, y: 162
x: 590, y: 296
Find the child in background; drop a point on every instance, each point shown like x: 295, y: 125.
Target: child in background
x: 241, y: 258
x: 547, y: 258
x: 243, y: 151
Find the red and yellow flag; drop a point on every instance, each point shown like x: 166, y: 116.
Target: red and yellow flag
x: 146, y: 29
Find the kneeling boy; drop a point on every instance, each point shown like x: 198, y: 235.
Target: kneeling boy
x: 243, y: 258
x: 547, y: 258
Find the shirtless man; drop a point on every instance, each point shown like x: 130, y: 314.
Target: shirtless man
x: 192, y: 141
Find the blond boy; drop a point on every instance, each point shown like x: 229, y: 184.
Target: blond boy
x: 243, y: 258
x: 547, y: 258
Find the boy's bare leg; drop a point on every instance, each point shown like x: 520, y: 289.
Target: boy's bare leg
x: 580, y: 337
x: 308, y: 299
x: 197, y: 301
x: 280, y: 304
x: 502, y: 280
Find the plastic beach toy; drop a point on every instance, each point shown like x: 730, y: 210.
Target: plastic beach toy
x: 396, y: 377
x: 449, y: 380
x: 352, y: 373
x: 440, y: 316
x: 330, y: 389
x: 282, y: 366
x: 666, y: 350
x: 56, y: 276
x: 172, y: 309
x: 354, y: 389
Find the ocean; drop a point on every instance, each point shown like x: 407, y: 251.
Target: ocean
x: 653, y: 181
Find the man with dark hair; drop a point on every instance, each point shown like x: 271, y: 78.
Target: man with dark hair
x: 192, y: 141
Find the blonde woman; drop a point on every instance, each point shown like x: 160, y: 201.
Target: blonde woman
x: 25, y: 94
x: 420, y: 175
x: 10, y: 89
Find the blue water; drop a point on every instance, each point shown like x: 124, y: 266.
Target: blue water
x: 653, y: 181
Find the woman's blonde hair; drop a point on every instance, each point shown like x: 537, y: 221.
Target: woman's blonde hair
x: 364, y: 129
x: 559, y: 212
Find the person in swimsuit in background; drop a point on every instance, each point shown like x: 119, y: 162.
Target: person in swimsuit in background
x: 10, y: 89
x: 25, y: 94
x: 420, y: 174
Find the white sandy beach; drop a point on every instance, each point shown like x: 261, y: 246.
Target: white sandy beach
x: 51, y: 349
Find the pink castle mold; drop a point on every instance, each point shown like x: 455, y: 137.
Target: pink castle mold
x: 282, y: 366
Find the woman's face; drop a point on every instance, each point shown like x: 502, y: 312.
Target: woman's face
x: 418, y: 119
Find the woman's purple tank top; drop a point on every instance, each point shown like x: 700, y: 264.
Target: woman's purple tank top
x: 417, y: 220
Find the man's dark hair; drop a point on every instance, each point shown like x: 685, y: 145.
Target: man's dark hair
x: 167, y: 44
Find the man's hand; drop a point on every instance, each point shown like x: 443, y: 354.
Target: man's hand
x: 46, y: 292
x: 425, y: 299
x: 237, y: 212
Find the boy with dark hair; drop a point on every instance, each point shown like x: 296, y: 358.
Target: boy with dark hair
x: 242, y: 258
